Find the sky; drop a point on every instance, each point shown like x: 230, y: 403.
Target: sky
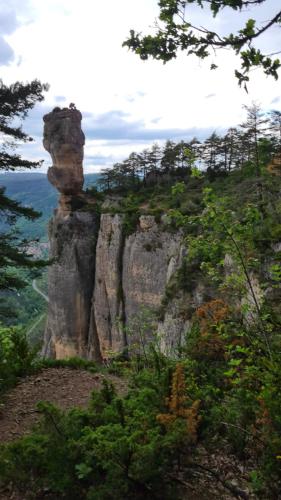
x: 127, y: 104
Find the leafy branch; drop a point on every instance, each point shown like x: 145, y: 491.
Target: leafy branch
x: 175, y: 33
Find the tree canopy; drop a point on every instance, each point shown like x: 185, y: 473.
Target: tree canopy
x: 253, y: 142
x: 176, y: 32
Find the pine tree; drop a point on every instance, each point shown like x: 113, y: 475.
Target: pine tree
x: 255, y: 128
x: 168, y: 160
x: 155, y: 156
x: 106, y: 179
x: 15, y: 102
x: 211, y: 152
x: 133, y: 169
x: 275, y: 125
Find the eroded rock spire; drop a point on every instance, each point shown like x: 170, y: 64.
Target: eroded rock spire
x: 72, y: 236
x: 64, y: 140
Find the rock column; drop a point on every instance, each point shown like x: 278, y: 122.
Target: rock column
x: 72, y: 233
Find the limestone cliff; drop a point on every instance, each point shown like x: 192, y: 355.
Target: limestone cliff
x: 107, y: 269
x: 71, y: 280
x: 101, y: 279
x: 151, y: 256
x: 131, y: 274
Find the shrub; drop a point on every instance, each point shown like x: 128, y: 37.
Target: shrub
x: 17, y: 358
x: 116, y: 449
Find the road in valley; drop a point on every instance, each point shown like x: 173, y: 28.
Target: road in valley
x: 37, y: 322
x: 35, y: 287
x: 45, y: 297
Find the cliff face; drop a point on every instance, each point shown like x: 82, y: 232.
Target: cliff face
x: 101, y: 280
x: 71, y: 280
x: 150, y: 257
x: 131, y: 273
x: 107, y: 315
x: 72, y: 236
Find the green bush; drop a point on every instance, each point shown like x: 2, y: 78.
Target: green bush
x: 17, y: 359
x: 114, y: 450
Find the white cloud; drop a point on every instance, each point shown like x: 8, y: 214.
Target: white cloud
x: 76, y: 47
x: 6, y: 52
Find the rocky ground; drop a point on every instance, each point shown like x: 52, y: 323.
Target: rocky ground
x: 64, y: 387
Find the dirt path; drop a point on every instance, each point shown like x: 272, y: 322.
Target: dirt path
x: 63, y: 386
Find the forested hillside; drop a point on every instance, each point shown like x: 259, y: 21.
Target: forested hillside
x: 31, y: 190
x: 34, y: 190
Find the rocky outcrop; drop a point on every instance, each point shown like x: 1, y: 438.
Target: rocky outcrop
x: 72, y: 234
x: 105, y: 285
x: 173, y: 327
x: 100, y: 279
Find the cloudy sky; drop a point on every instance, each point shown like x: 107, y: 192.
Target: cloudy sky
x: 127, y: 104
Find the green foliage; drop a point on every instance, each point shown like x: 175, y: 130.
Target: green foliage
x: 233, y: 349
x: 195, y: 172
x: 178, y: 32
x: 178, y: 188
x: 15, y: 102
x: 132, y: 213
x: 16, y: 357
x: 115, y: 449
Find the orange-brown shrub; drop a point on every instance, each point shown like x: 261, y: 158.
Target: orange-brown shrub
x: 180, y: 407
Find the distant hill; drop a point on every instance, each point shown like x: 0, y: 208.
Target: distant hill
x: 34, y: 190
